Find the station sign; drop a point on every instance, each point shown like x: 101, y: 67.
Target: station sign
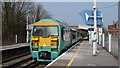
x: 88, y: 17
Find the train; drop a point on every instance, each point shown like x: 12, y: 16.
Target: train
x: 49, y: 38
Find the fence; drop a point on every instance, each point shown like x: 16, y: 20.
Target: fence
x: 14, y: 39
x: 113, y: 41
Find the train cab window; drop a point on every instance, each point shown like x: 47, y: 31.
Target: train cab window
x: 36, y: 31
x: 45, y: 31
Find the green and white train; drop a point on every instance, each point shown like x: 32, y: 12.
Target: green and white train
x: 49, y: 37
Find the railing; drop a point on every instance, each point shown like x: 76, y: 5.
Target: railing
x: 110, y: 43
x: 14, y: 40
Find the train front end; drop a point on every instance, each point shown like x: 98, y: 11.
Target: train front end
x: 44, y: 41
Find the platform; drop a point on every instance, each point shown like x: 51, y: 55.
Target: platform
x: 81, y: 55
x: 7, y: 47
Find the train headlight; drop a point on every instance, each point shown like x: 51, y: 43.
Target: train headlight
x: 54, y: 42
x: 35, y: 43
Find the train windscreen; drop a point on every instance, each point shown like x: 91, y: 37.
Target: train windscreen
x: 45, y: 31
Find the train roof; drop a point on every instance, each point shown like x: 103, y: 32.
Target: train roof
x: 46, y: 22
x: 49, y: 22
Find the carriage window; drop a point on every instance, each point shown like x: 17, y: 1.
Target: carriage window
x: 62, y: 32
x: 66, y: 34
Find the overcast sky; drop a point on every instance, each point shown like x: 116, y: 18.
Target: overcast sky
x: 69, y: 11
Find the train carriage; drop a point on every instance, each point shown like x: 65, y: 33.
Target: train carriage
x: 48, y: 38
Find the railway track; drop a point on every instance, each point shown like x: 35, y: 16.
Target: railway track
x: 14, y: 57
x: 24, y: 62
x: 16, y: 61
x: 34, y: 64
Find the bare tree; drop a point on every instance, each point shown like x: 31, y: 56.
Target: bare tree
x: 38, y: 12
x: 41, y: 13
x: 45, y: 14
x: 14, y: 19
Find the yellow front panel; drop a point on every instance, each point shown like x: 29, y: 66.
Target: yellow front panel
x: 34, y: 38
x: 45, y: 41
x: 46, y: 24
x: 53, y: 43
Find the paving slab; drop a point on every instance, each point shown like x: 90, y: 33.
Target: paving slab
x: 81, y: 55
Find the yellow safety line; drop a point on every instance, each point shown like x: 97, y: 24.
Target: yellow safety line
x: 71, y: 61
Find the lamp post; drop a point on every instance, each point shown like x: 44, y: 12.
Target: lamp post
x: 27, y: 39
x: 95, y: 30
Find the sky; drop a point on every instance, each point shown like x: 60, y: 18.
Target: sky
x: 69, y: 11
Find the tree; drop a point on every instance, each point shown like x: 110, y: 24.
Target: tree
x: 41, y: 13
x: 14, y: 19
x: 45, y: 14
x: 39, y: 8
